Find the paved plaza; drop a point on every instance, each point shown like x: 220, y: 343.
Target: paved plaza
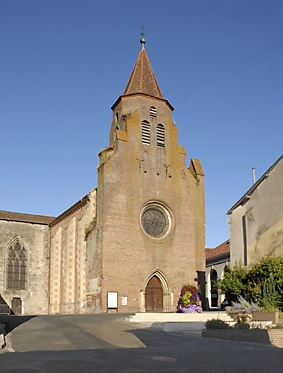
x: 108, y: 343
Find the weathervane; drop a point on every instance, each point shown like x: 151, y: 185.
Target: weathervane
x: 143, y: 28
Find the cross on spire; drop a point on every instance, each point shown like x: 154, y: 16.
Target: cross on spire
x: 143, y: 28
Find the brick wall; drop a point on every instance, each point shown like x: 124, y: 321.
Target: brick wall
x: 130, y: 175
x: 68, y: 257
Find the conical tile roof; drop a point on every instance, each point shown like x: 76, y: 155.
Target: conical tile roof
x: 142, y: 79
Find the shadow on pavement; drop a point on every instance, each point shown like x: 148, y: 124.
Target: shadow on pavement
x: 163, y: 353
x: 12, y: 321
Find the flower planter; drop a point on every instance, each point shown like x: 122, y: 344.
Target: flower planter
x: 266, y: 316
x: 189, y: 301
x: 258, y: 316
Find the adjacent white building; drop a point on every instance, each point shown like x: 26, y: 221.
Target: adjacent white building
x: 256, y: 219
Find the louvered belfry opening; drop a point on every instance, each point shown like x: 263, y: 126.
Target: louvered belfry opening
x: 145, y: 132
x: 160, y: 136
x: 152, y: 112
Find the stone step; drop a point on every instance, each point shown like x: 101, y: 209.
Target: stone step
x: 183, y: 326
x: 179, y: 317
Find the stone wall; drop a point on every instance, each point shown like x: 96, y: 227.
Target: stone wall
x: 266, y: 316
x: 35, y: 239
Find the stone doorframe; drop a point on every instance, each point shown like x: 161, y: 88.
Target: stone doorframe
x: 168, y: 295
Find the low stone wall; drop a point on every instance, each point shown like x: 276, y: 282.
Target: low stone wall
x: 266, y: 316
x: 258, y: 316
x: 264, y: 336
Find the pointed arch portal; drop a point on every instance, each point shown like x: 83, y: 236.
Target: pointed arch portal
x: 154, y: 295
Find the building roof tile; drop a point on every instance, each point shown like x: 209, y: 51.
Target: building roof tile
x: 219, y: 250
x: 142, y: 79
x: 26, y: 218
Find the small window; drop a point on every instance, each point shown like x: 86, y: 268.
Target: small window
x: 17, y: 267
x: 152, y: 112
x: 145, y: 128
x: 160, y: 135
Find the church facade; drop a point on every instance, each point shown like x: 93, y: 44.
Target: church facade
x: 132, y: 242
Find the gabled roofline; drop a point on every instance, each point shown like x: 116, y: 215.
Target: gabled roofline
x: 248, y: 194
x: 78, y: 205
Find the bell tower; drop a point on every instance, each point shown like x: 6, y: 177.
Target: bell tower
x: 150, y: 231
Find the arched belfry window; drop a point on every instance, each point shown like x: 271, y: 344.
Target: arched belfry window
x: 160, y: 135
x: 153, y: 112
x: 145, y: 129
x: 17, y: 266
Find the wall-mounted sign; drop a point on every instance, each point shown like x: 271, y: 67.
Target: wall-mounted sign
x: 112, y: 299
x: 124, y: 300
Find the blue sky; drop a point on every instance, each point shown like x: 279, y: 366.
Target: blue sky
x: 65, y: 62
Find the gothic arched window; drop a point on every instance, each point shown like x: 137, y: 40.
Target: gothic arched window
x: 145, y: 132
x: 160, y: 136
x: 17, y: 266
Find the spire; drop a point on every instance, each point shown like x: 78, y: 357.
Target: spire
x: 142, y: 79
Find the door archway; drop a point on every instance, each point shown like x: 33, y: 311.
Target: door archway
x: 154, y: 295
x: 214, y: 291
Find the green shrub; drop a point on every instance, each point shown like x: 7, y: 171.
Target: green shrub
x: 216, y: 324
x: 271, y: 298
x: 262, y: 283
x: 242, y: 325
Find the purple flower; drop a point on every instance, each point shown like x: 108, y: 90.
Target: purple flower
x: 192, y: 304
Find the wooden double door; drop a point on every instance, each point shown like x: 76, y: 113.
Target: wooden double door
x: 154, y: 295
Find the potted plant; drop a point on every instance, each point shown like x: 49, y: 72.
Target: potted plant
x: 189, y: 300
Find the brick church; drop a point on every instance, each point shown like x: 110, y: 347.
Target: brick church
x: 130, y: 244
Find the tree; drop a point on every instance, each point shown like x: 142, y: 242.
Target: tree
x: 262, y: 283
x: 234, y: 282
